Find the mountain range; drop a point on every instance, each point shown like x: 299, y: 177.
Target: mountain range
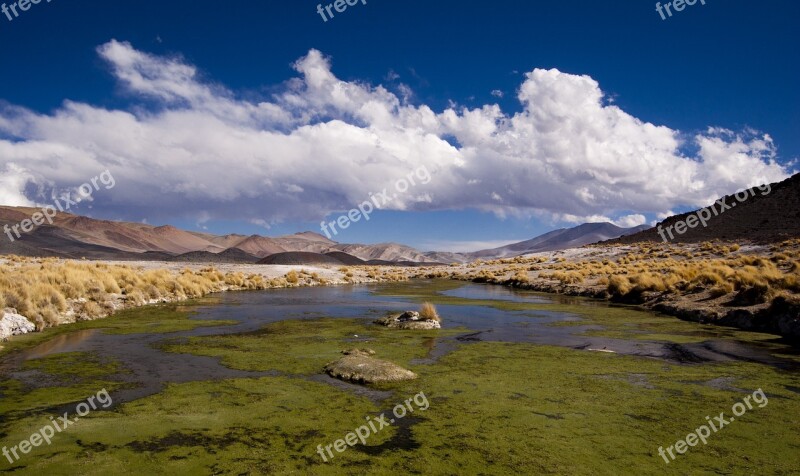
x: 73, y: 236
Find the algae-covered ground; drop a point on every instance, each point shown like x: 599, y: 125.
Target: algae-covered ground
x: 494, y: 407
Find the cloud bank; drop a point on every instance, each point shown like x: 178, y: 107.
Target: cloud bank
x: 189, y: 148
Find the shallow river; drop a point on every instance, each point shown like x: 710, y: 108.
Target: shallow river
x: 150, y: 368
x: 605, y: 382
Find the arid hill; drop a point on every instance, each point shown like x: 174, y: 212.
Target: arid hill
x: 385, y: 252
x: 231, y: 255
x: 769, y: 218
x: 259, y: 246
x: 300, y: 258
x: 345, y: 258
x: 73, y: 236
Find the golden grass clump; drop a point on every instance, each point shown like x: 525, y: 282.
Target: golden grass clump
x: 619, y: 285
x: 721, y: 289
x: 570, y: 277
x: 428, y: 311
x: 292, y: 277
x: 649, y: 282
x: 521, y: 277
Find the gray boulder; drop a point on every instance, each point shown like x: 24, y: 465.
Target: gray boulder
x: 359, y: 366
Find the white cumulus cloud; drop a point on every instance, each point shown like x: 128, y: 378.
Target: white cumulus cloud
x: 187, y: 147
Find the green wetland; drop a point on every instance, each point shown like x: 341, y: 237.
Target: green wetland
x: 517, y: 383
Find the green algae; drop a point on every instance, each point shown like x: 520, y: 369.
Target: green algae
x: 305, y: 346
x: 61, y: 379
x: 258, y: 426
x: 73, y: 366
x: 540, y: 409
x: 495, y: 408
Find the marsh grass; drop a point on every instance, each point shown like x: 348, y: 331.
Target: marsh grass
x: 722, y: 269
x: 50, y: 292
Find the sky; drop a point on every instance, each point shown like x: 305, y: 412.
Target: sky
x: 472, y: 124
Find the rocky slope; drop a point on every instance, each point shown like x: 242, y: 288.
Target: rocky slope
x: 767, y: 214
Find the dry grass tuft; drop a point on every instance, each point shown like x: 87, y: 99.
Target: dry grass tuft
x: 428, y: 311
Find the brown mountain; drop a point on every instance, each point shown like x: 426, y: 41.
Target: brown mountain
x: 129, y: 237
x: 231, y: 255
x: 51, y: 241
x: 773, y: 217
x: 260, y: 246
x: 385, y: 252
x: 300, y: 258
x: 73, y: 236
x: 345, y: 258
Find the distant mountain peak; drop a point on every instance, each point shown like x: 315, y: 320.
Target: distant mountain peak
x: 312, y: 234
x: 560, y: 239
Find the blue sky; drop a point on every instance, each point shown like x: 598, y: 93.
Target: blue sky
x: 616, y: 85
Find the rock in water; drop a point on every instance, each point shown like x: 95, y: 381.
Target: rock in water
x: 408, y: 320
x: 359, y: 365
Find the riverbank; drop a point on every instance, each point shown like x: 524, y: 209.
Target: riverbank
x: 751, y: 287
x: 37, y: 293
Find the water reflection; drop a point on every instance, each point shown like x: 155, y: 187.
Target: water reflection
x: 60, y: 344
